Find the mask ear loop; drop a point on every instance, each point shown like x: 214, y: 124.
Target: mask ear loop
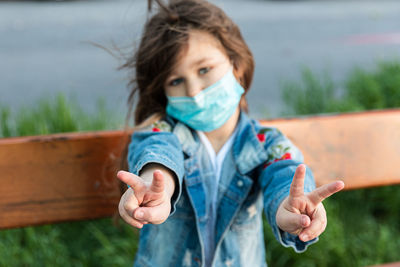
x: 235, y: 72
x: 243, y: 102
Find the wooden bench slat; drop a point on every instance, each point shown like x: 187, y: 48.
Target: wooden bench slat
x: 359, y: 148
x: 64, y: 177
x: 393, y: 264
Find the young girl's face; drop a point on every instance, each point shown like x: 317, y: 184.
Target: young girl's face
x: 200, y: 65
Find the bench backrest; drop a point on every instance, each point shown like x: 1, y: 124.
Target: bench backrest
x: 64, y: 177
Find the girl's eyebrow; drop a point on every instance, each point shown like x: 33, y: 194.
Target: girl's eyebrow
x: 201, y: 61
x: 195, y: 64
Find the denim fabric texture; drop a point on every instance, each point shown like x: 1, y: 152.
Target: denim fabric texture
x: 255, y: 177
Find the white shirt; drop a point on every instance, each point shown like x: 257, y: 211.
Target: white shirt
x: 216, y: 161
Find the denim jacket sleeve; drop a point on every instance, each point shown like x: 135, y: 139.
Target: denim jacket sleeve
x: 157, y: 144
x: 275, y: 179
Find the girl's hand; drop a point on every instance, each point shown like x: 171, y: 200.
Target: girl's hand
x: 144, y: 203
x: 304, y: 215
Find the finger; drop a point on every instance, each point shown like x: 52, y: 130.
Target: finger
x: 292, y: 222
x: 317, y: 225
x: 157, y: 185
x: 130, y: 203
x: 133, y: 221
x: 127, y: 217
x: 297, y: 186
x: 130, y: 179
x: 127, y: 208
x: 155, y: 215
x: 322, y: 192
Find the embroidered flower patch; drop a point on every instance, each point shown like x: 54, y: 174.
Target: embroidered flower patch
x: 261, y: 135
x: 275, y: 153
x: 160, y: 126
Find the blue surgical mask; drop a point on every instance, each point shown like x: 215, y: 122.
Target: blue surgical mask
x: 209, y: 109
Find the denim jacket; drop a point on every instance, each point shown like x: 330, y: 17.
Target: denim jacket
x: 256, y: 176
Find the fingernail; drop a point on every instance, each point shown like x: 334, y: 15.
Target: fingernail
x: 303, y: 221
x: 304, y: 237
x: 139, y: 215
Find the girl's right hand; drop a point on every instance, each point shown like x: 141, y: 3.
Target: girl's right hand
x: 142, y: 202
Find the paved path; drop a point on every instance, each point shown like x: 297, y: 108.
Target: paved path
x: 44, y: 46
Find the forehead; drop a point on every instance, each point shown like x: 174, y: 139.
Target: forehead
x: 200, y: 45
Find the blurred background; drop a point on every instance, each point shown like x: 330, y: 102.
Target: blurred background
x: 45, y: 46
x: 311, y: 57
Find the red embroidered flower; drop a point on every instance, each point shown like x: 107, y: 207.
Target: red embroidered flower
x: 261, y: 137
x: 155, y: 129
x: 287, y: 155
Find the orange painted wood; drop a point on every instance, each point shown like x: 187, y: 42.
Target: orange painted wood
x: 362, y: 149
x: 62, y: 177
x: 394, y: 264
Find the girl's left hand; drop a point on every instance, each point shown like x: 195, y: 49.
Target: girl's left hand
x: 304, y: 215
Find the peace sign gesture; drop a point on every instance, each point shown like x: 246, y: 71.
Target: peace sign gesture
x: 148, y: 199
x: 304, y: 215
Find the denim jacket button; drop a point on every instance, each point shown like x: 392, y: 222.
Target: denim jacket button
x: 240, y: 183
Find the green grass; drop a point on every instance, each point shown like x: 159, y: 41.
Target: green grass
x: 362, y: 90
x: 55, y: 115
x: 84, y: 243
x: 363, y: 225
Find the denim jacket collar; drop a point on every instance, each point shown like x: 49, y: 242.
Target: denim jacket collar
x: 248, y: 151
x: 187, y: 137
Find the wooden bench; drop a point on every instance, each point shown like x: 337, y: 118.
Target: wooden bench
x: 66, y: 177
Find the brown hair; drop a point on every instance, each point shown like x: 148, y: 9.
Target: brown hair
x: 164, y: 35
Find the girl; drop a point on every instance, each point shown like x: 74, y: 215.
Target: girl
x: 202, y: 171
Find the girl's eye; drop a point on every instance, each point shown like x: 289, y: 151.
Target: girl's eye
x: 175, y: 82
x: 204, y: 70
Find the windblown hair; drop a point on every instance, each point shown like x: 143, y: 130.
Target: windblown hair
x: 165, y: 34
